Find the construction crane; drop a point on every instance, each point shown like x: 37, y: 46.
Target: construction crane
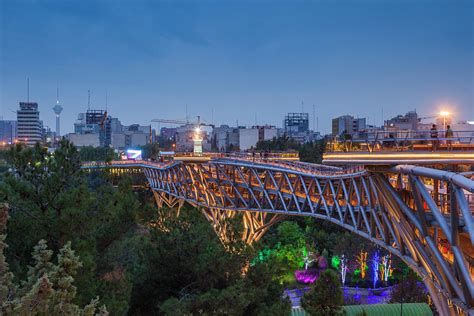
x: 426, y: 117
x: 197, y: 139
x: 181, y: 122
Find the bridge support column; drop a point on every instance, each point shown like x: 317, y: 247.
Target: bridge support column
x: 174, y: 207
x: 168, y: 200
x: 255, y: 224
x: 220, y: 221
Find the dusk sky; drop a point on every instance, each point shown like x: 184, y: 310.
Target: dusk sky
x: 247, y: 61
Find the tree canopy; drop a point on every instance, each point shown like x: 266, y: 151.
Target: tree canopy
x: 48, y: 289
x: 325, y: 297
x: 119, y: 255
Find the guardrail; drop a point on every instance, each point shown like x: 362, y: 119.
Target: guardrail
x: 401, y: 141
x: 244, y: 155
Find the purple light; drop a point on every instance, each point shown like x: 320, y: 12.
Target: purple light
x: 306, y: 276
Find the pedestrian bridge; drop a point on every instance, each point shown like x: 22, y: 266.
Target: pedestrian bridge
x: 421, y: 215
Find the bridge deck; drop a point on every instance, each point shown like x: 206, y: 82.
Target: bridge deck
x: 396, y: 158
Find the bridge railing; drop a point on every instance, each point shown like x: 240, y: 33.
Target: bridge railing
x: 286, y: 155
x: 299, y: 167
x: 99, y: 164
x: 401, y: 141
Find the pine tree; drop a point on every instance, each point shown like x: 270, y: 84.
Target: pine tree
x: 62, y: 278
x: 37, y: 300
x: 7, y: 289
x: 326, y: 297
x: 42, y: 265
x: 49, y: 289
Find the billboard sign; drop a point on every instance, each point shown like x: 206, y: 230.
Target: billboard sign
x: 134, y: 154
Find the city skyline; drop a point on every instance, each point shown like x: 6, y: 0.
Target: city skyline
x: 239, y: 61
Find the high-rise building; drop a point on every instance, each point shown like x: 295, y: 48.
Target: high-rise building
x: 29, y: 127
x: 95, y: 122
x: 296, y: 126
x: 8, y: 131
x: 296, y: 123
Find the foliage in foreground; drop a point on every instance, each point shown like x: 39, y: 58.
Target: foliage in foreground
x: 197, y: 275
x: 325, y: 297
x: 50, y: 198
x: 49, y: 288
x: 409, y: 290
x: 133, y: 267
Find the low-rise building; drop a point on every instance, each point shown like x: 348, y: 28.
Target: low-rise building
x: 249, y: 137
x: 409, y: 121
x: 347, y: 124
x: 225, y: 138
x: 84, y: 140
x: 131, y: 136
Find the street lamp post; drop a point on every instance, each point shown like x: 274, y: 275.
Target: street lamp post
x: 444, y: 115
x: 197, y: 142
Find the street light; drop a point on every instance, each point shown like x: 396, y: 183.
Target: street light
x: 444, y: 115
x: 197, y: 141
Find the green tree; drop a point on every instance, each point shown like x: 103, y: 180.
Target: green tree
x: 325, y: 297
x: 409, y: 290
x: 151, y: 151
x: 90, y: 153
x: 290, y: 233
x: 308, y: 152
x: 50, y: 199
x: 49, y: 288
x: 197, y: 270
x: 255, y: 294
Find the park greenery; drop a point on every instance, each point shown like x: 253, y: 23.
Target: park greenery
x: 75, y: 242
x: 325, y: 298
x: 121, y: 260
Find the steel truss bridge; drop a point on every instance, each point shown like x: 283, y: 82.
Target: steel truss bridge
x: 410, y: 211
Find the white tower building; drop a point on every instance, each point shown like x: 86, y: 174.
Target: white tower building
x: 57, y: 110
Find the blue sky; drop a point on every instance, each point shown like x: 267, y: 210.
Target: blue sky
x: 238, y: 60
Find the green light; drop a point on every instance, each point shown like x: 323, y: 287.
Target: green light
x: 335, y: 262
x: 356, y: 271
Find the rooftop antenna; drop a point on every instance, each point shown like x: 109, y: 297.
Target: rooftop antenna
x: 187, y: 117
x: 28, y: 89
x: 57, y: 94
x: 88, y: 99
x: 106, y: 100
x: 382, y: 118
x: 314, y: 118
x: 302, y: 106
x: 255, y: 118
